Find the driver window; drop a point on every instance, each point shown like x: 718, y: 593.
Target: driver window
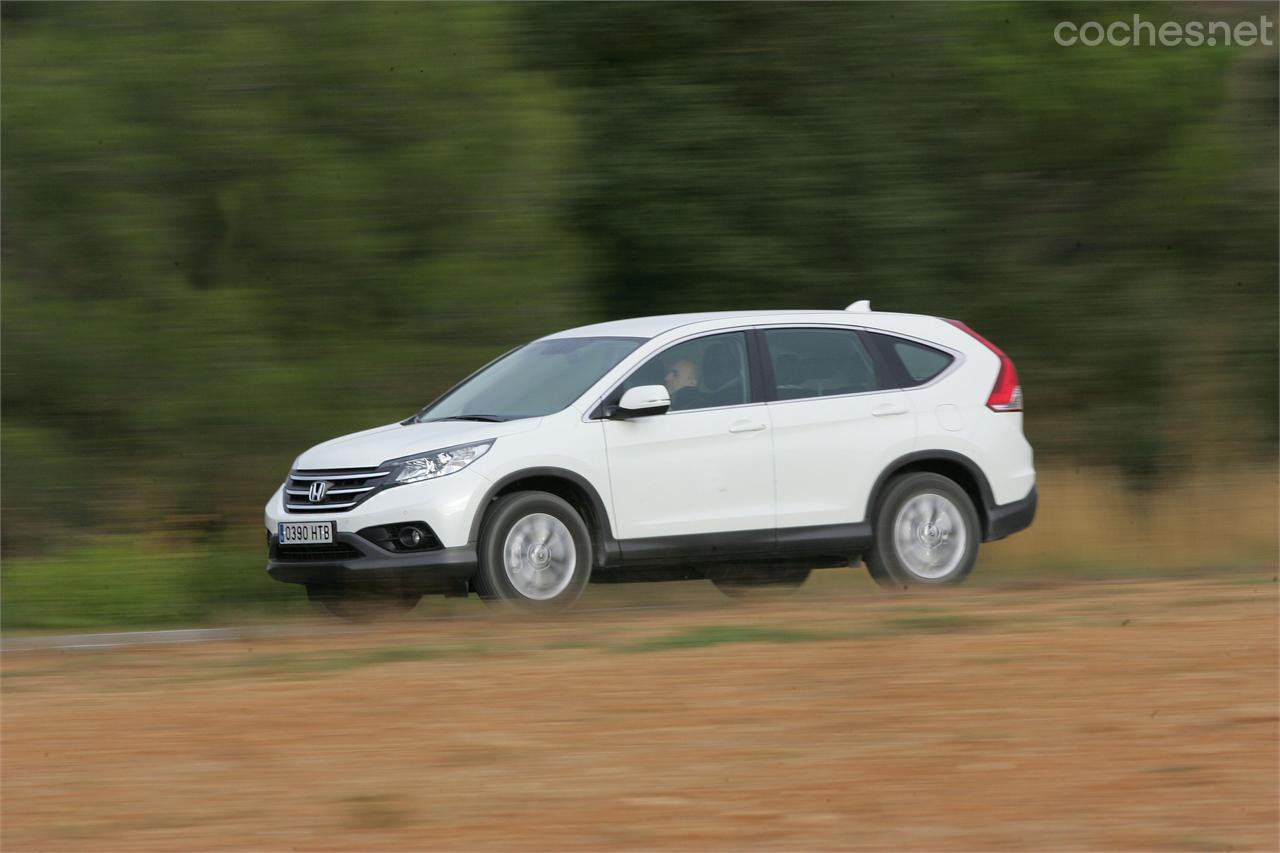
x: 699, y: 374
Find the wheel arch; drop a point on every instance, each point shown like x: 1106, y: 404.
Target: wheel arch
x: 956, y: 467
x: 566, y: 484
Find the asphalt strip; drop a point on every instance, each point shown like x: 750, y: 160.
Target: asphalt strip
x: 181, y: 636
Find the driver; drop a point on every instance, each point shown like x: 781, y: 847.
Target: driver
x: 681, y: 374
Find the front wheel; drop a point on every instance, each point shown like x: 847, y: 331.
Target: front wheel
x: 535, y: 553
x: 926, y: 533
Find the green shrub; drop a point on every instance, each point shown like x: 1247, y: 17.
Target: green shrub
x: 130, y: 581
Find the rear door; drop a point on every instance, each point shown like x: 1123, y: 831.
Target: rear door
x: 837, y: 422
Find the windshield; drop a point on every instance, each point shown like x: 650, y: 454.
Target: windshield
x: 535, y: 380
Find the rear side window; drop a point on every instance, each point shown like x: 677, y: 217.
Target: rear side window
x: 919, y: 362
x: 819, y: 363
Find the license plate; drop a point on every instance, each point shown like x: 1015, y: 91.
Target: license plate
x: 306, y: 533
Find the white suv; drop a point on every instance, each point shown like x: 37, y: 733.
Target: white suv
x: 744, y: 447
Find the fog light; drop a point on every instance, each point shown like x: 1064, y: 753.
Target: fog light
x: 410, y: 537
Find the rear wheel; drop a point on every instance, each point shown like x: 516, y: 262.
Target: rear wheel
x: 535, y: 553
x: 926, y: 533
x: 759, y: 582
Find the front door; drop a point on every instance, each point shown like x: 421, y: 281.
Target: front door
x: 706, y: 466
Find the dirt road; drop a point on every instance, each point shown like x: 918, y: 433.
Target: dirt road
x: 1117, y: 716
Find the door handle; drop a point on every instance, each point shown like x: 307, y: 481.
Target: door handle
x: 889, y: 409
x: 746, y: 426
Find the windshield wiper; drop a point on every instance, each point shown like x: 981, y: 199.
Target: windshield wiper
x: 493, y: 419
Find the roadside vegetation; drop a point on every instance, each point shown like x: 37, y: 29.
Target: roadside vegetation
x: 1089, y: 528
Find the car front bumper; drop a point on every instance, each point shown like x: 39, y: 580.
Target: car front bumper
x: 447, y: 505
x: 369, y: 566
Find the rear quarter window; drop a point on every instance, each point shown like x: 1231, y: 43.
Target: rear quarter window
x: 920, y: 363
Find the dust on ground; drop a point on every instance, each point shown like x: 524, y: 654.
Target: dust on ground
x: 1108, y: 715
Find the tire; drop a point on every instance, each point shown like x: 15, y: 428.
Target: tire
x: 366, y: 606
x: 926, y: 533
x: 535, y: 553
x: 759, y: 582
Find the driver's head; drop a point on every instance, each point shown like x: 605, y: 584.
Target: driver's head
x: 681, y: 374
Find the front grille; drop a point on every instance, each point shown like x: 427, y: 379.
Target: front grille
x: 316, y: 553
x: 343, y: 488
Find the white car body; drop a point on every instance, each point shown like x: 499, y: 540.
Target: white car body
x: 786, y: 478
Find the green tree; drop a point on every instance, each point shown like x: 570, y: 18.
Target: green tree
x: 1108, y: 215
x: 231, y: 230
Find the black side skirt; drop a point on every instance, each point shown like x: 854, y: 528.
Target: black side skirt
x: 826, y: 542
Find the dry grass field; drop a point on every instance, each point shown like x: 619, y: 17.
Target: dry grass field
x: 1088, y: 521
x: 1118, y: 716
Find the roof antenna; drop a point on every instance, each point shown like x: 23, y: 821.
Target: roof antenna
x: 862, y: 306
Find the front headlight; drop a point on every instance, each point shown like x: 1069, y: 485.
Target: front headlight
x: 439, y: 463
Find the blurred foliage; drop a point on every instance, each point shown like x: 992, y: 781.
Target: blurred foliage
x: 233, y: 230
x: 114, y: 581
x: 1108, y: 216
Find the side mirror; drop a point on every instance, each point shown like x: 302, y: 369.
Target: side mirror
x: 643, y: 400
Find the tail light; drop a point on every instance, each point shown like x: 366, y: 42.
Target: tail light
x: 1006, y: 396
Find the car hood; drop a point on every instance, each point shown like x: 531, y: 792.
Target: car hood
x: 375, y: 446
